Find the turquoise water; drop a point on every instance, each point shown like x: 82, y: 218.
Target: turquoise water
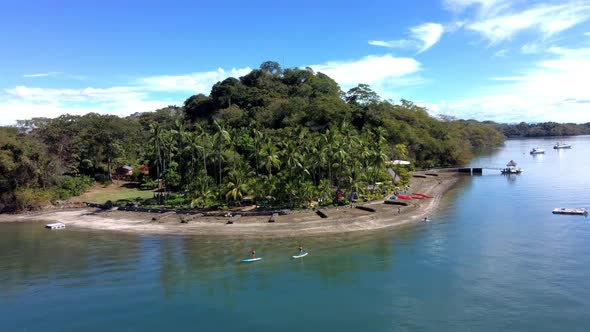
x: 492, y: 258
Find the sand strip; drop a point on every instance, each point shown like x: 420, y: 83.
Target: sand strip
x: 296, y: 224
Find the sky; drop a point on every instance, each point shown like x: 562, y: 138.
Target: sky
x: 500, y: 60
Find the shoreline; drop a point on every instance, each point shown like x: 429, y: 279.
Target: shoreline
x: 296, y: 224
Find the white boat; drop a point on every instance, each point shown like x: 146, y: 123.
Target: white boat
x: 510, y: 170
x: 570, y: 211
x: 561, y: 145
x: 57, y: 225
x: 537, y: 151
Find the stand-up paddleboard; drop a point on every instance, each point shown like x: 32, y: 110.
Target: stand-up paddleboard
x: 300, y: 255
x: 249, y: 260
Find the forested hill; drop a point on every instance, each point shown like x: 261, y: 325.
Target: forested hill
x: 292, y: 135
x: 524, y: 129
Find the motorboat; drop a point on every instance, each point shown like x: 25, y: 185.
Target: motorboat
x: 537, y: 151
x: 512, y: 170
x: 581, y: 211
x: 561, y: 145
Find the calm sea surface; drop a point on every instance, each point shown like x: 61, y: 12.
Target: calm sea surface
x: 493, y: 258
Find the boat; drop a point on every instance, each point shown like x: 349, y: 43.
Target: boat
x: 537, y: 151
x: 581, y: 211
x: 511, y: 170
x: 561, y: 145
x: 57, y: 225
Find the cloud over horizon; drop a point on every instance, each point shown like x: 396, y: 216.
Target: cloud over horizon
x: 553, y: 89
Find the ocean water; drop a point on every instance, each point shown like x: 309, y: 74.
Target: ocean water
x: 493, y: 258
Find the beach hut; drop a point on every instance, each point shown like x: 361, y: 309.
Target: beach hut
x: 125, y: 170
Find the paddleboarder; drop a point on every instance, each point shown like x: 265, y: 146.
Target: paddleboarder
x: 300, y: 249
x: 253, y: 253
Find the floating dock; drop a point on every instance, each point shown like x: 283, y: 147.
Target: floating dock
x: 57, y: 225
x: 570, y: 211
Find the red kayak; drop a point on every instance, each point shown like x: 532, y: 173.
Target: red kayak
x: 406, y: 197
x: 422, y: 195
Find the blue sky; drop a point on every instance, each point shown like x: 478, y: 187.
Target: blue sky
x: 501, y: 60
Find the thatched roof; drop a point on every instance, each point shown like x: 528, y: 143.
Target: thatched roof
x: 511, y: 163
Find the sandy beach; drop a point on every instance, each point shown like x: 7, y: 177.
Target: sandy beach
x: 295, y: 224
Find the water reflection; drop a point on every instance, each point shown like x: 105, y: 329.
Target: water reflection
x: 31, y: 256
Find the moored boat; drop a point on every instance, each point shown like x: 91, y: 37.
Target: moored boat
x: 537, y: 151
x: 561, y: 145
x: 512, y: 170
x: 570, y: 211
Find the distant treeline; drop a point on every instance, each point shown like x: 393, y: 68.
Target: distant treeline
x: 524, y: 129
x: 278, y: 137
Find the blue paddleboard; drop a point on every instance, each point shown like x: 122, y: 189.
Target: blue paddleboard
x: 300, y: 255
x: 248, y: 260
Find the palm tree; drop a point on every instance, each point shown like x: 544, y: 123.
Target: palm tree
x: 378, y: 156
x: 257, y: 137
x: 221, y: 137
x: 236, y: 185
x: 156, y: 139
x: 270, y: 157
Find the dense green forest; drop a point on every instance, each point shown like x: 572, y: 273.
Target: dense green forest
x: 524, y: 129
x: 280, y: 138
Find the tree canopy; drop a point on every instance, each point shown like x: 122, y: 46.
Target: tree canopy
x: 282, y: 137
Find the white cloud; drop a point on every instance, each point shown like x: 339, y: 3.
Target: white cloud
x: 402, y: 43
x: 381, y: 72
x: 555, y: 89
x: 501, y: 20
x: 461, y: 5
x: 422, y: 37
x: 531, y: 48
x: 199, y: 82
x: 586, y: 33
x: 48, y: 74
x: 501, y: 53
x: 141, y: 95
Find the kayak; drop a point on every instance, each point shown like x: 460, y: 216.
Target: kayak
x: 300, y: 255
x: 248, y: 260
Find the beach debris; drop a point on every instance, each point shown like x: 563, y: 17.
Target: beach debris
x: 321, y: 214
x: 365, y: 208
x: 390, y: 202
x: 57, y: 225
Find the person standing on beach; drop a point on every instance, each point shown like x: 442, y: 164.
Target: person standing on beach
x: 399, y: 210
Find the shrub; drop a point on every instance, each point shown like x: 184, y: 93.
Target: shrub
x: 149, y: 185
x: 32, y: 199
x: 102, y: 179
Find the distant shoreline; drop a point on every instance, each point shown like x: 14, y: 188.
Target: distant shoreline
x: 296, y: 224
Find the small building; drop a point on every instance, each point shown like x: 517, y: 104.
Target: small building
x: 125, y: 170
